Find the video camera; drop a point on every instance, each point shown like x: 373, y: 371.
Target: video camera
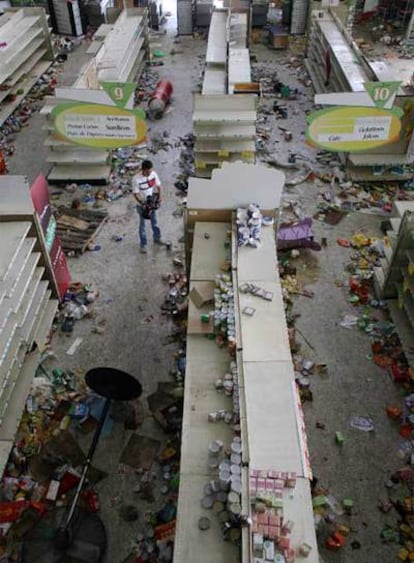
x: 152, y: 203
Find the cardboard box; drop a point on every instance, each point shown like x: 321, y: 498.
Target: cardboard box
x: 202, y: 293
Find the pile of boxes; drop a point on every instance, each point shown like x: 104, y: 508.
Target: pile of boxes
x: 271, y: 531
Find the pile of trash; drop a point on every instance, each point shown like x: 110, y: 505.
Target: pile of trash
x: 76, y: 305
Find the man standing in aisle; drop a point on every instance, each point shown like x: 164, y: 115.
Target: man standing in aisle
x: 146, y: 187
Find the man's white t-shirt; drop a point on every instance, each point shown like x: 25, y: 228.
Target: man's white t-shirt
x: 144, y: 185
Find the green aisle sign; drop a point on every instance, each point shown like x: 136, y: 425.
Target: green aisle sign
x: 119, y: 92
x: 381, y: 92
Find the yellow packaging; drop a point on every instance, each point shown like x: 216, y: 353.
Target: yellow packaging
x: 343, y: 530
x: 403, y: 554
x: 405, y: 529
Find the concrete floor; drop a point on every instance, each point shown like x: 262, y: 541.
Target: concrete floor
x: 131, y: 289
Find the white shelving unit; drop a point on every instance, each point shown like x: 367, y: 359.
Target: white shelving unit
x: 348, y: 72
x: 224, y: 129
x: 121, y: 56
x: 214, y: 81
x: 25, y: 57
x: 224, y: 123
x: 239, y: 70
x: 394, y: 279
x: 27, y: 306
x: 271, y: 420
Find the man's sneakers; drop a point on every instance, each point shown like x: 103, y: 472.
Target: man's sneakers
x: 159, y: 242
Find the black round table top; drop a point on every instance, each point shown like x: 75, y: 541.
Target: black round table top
x: 113, y: 384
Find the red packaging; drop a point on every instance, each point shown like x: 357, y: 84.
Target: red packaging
x: 263, y: 518
x: 69, y: 481
x: 339, y: 539
x: 269, y: 484
x: 10, y: 511
x: 254, y: 473
x: 273, y: 520
x: 289, y: 555
x: 284, y: 543
x: 92, y: 499
x: 332, y: 545
x: 272, y: 533
x: 265, y: 531
x: 252, y: 485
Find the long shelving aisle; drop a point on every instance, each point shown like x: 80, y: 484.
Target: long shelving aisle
x: 119, y: 57
x: 267, y: 413
x: 224, y: 123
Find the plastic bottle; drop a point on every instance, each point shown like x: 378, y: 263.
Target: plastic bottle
x: 334, y: 505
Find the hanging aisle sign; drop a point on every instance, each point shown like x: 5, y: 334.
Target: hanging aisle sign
x: 98, y: 126
x: 101, y: 126
x: 365, y: 121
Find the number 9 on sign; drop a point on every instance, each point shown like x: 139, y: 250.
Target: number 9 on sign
x: 118, y: 93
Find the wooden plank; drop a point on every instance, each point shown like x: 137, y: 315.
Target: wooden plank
x: 74, y: 239
x: 73, y: 222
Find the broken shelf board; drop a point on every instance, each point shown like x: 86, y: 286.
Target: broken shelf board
x: 67, y: 173
x: 379, y: 159
x: 79, y: 157
x: 365, y: 174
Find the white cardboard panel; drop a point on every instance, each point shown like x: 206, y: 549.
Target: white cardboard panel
x: 271, y: 417
x: 264, y: 335
x: 259, y: 263
x: 235, y: 185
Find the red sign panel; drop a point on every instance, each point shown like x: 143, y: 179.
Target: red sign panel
x: 40, y: 197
